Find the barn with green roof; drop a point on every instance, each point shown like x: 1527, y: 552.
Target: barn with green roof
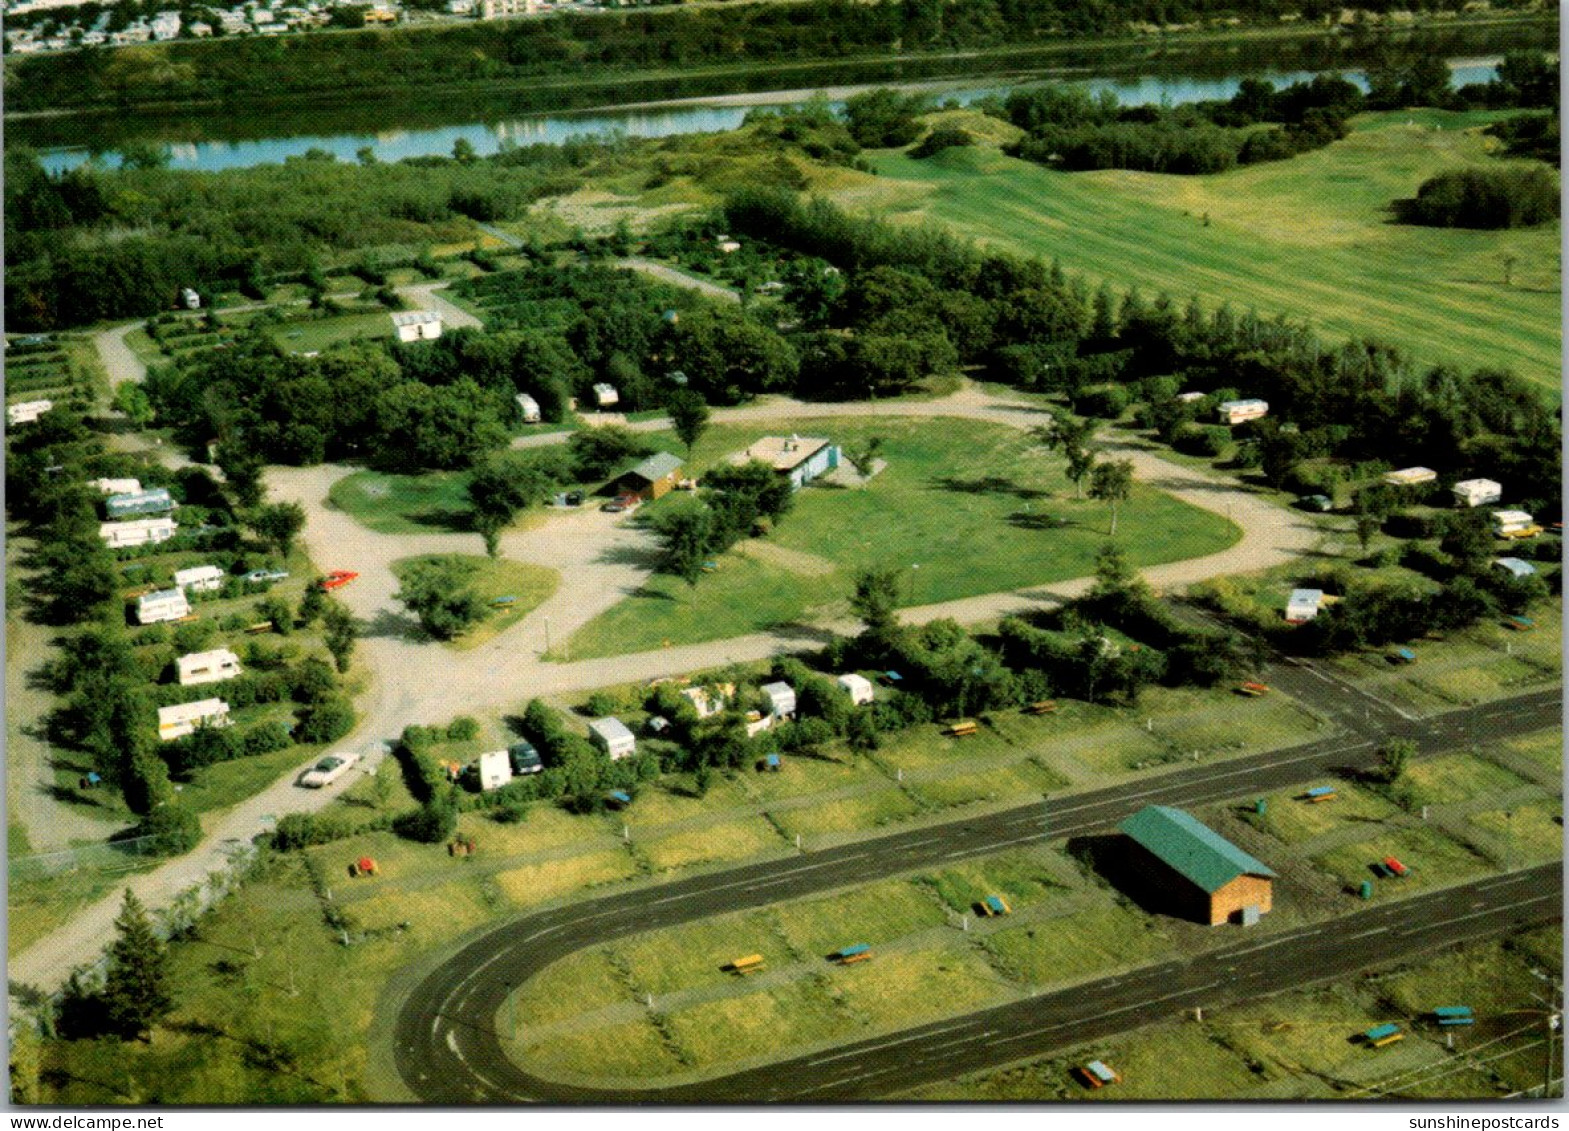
x: 1203, y: 874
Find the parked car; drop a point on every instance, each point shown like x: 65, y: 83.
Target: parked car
x: 620, y: 503
x: 338, y: 578
x: 266, y: 575
x: 329, y: 770
x: 573, y: 498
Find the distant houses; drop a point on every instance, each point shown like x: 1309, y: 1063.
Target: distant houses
x: 1514, y: 524
x: 801, y: 459
x: 417, y: 325
x: 137, y: 532
x: 1204, y: 875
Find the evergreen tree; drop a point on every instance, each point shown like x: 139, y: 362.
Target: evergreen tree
x: 136, y: 992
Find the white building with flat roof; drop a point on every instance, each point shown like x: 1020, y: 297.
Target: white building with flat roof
x: 417, y: 325
x: 208, y: 667
x: 801, y: 459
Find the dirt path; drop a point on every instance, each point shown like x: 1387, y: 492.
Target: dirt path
x: 119, y: 360
x: 601, y: 560
x: 667, y: 274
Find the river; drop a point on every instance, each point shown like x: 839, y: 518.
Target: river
x: 213, y: 143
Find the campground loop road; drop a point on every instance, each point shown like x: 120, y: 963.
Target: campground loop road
x: 447, y: 1048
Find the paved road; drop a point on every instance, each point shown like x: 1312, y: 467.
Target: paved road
x: 447, y: 1049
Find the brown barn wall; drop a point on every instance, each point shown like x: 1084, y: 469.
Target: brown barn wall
x: 1177, y: 893
x: 1244, y: 891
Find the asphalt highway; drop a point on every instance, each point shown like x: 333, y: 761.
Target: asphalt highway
x: 447, y: 1049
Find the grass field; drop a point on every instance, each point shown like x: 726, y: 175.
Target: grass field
x: 1308, y: 237
x: 1455, y: 777
x: 1434, y: 860
x: 404, y: 504
x: 964, y: 507
x: 494, y: 578
x: 317, y: 334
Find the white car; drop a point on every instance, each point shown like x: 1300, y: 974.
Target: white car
x: 328, y: 770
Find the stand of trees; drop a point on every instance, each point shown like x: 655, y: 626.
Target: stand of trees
x: 1484, y: 198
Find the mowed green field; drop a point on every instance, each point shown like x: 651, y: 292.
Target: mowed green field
x: 1309, y: 237
x: 964, y: 507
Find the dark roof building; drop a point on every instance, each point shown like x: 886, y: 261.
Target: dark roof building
x: 1203, y: 874
x: 654, y: 477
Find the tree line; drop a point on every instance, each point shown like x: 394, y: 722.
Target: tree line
x: 263, y: 70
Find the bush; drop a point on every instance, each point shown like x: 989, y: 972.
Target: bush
x: 462, y: 729
x: 174, y: 827
x: 1483, y: 198
x: 1208, y: 440
x: 431, y: 823
x: 1107, y: 402
x: 326, y: 721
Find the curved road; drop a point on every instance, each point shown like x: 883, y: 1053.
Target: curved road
x: 447, y: 1048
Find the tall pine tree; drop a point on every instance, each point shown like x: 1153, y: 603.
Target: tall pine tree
x: 136, y: 990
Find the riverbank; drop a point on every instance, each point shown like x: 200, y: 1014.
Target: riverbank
x: 422, y: 77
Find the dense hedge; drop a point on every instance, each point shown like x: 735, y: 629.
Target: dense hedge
x: 1484, y: 198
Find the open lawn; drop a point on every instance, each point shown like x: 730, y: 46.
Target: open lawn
x: 577, y: 984
x: 319, y: 333
x: 735, y: 840
x: 1022, y: 878
x: 1455, y: 777
x: 1077, y: 946
x: 850, y: 814
x: 964, y: 507
x: 1292, y: 819
x: 1309, y: 237
x: 1520, y: 835
x: 1434, y: 860
x: 493, y: 578
x: 626, y: 1049
x: 551, y: 879
x: 404, y: 504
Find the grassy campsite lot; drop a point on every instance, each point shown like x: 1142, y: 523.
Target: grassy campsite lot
x: 743, y: 839
x: 404, y: 504
x: 1309, y: 237
x: 315, y: 334
x: 1454, y: 777
x: 1291, y: 819
x: 1520, y: 835
x: 959, y: 508
x: 1474, y: 665
x: 1088, y: 942
x: 1434, y: 860
x: 1545, y: 748
x: 1299, y: 1045
x: 530, y: 584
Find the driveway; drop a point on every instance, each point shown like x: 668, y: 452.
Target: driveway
x: 602, y: 560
